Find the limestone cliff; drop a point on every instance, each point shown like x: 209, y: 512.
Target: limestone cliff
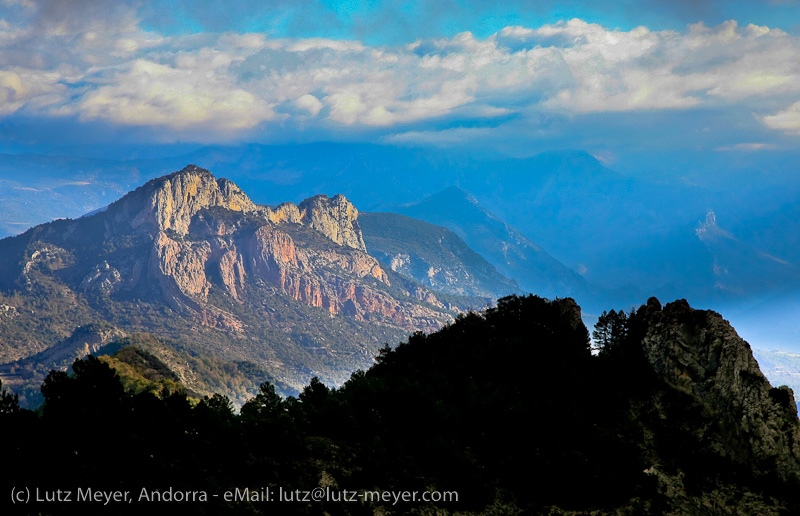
x: 200, y: 225
x: 172, y: 202
x: 206, y: 230
x: 335, y: 218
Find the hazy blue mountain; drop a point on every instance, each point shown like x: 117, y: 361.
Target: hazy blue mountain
x: 433, y: 256
x: 780, y: 367
x: 503, y: 246
x: 584, y: 213
x: 776, y: 230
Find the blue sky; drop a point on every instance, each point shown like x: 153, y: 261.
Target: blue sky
x: 707, y: 77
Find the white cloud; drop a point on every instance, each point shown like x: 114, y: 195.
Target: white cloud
x: 12, y: 92
x: 345, y: 107
x: 787, y: 120
x: 185, y: 96
x: 105, y: 67
x: 309, y: 103
x: 437, y: 138
x: 323, y: 43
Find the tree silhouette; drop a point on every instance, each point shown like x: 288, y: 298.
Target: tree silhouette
x: 610, y: 330
x: 9, y: 403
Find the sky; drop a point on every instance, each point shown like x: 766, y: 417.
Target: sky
x: 636, y: 78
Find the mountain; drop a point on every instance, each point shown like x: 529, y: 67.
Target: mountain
x: 583, y: 212
x: 433, y: 256
x: 37, y: 189
x: 192, y: 259
x: 514, y: 255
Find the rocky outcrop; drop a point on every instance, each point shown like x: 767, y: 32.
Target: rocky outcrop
x: 170, y: 202
x: 178, y: 268
x: 194, y: 221
x: 46, y: 257
x: 103, y: 279
x: 698, y: 353
x: 335, y: 218
x: 181, y: 263
x: 232, y: 272
x: 191, y: 257
x: 205, y: 231
x: 286, y: 212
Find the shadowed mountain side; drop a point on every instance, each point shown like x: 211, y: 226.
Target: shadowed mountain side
x: 591, y: 211
x: 433, y: 256
x: 507, y: 249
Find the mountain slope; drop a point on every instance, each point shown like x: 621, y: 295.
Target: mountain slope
x: 432, y: 256
x: 626, y: 234
x: 507, y: 249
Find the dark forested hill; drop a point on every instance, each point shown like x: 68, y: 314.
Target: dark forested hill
x: 503, y: 412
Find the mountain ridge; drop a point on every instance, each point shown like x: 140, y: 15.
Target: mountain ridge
x: 513, y: 254
x: 433, y: 256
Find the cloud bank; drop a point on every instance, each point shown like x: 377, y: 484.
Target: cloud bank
x: 93, y: 61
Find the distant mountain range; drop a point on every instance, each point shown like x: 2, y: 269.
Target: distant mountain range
x: 617, y: 232
x: 613, y: 239
x: 432, y: 255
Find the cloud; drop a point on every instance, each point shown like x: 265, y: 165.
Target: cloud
x: 444, y: 137
x: 748, y: 147
x: 787, y: 120
x: 309, y: 103
x: 92, y: 60
x: 187, y: 95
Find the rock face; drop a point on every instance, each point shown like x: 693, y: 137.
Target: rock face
x: 171, y: 203
x: 698, y: 353
x: 335, y: 218
x: 306, y: 276
x: 103, y: 278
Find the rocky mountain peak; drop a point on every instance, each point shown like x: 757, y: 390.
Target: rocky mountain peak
x: 226, y: 271
x: 335, y: 217
x: 170, y: 202
x: 698, y: 353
